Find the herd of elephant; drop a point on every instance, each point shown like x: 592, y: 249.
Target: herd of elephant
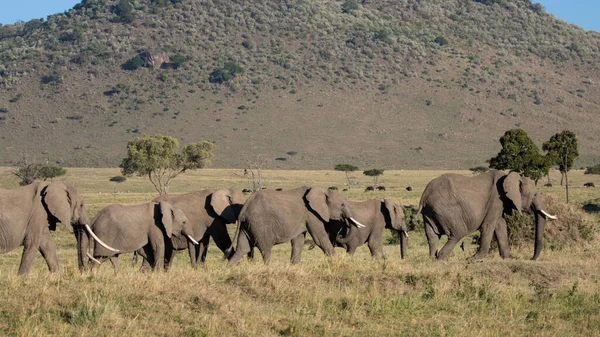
x: 452, y: 205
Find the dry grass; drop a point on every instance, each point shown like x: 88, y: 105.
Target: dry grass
x: 341, y: 296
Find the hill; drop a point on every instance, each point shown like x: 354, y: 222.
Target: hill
x: 297, y: 84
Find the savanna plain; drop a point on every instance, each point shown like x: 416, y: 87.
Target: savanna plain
x: 557, y: 295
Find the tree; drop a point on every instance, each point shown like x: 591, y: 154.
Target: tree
x: 117, y: 180
x: 30, y: 172
x: 346, y: 168
x: 375, y: 173
x: 349, y: 6
x: 562, y: 151
x: 159, y: 158
x: 521, y: 155
x: 479, y: 169
x: 124, y: 11
x: 592, y: 169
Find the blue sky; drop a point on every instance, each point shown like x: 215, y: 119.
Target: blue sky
x: 580, y: 12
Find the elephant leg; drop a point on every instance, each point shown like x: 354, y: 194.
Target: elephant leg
x: 170, y: 253
x: 297, y: 245
x: 243, y: 247
x: 502, y: 238
x: 351, y: 247
x: 487, y: 233
x: 29, y: 251
x: 134, y: 259
x: 193, y: 253
x: 148, y: 261
x: 48, y: 251
x: 432, y: 237
x: 265, y: 250
x: 448, y: 247
x: 114, y: 260
x: 375, y: 245
x: 320, y: 237
x: 202, y: 250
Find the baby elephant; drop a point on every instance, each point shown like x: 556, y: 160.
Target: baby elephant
x: 125, y: 229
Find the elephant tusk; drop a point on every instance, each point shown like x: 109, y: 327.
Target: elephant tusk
x: 405, y: 233
x: 97, y: 239
x: 358, y: 224
x: 548, y: 215
x: 192, y: 239
x: 92, y: 258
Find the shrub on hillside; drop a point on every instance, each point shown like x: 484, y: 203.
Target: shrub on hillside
x: 593, y: 169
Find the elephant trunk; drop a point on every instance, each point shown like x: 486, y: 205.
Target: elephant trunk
x: 83, y: 244
x: 403, y: 242
x: 350, y: 234
x: 540, y: 224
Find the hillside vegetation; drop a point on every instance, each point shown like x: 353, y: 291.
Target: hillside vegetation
x: 341, y: 296
x: 394, y: 84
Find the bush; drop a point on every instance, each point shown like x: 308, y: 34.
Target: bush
x: 593, y: 169
x: 229, y: 71
x: 133, y: 63
x: 349, y: 5
x: 442, y: 41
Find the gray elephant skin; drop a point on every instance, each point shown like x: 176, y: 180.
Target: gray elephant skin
x: 127, y: 228
x: 208, y: 212
x: 29, y: 213
x: 375, y: 215
x: 457, y: 205
x: 272, y: 217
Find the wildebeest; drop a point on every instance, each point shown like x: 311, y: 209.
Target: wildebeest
x: 381, y: 188
x: 408, y: 188
x: 369, y: 189
x: 589, y: 184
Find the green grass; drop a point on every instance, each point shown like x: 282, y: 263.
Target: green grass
x: 558, y: 295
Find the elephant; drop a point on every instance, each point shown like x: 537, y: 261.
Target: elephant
x: 375, y: 215
x: 128, y: 228
x: 273, y: 217
x: 457, y: 205
x: 29, y: 213
x: 208, y: 212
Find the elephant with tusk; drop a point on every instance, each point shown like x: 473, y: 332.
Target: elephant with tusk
x: 457, y: 206
x: 272, y: 217
x: 120, y: 229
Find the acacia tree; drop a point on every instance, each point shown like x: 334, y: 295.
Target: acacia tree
x: 160, y: 159
x: 375, y: 173
x: 520, y: 154
x: 562, y: 150
x: 29, y: 172
x: 117, y: 180
x: 346, y: 168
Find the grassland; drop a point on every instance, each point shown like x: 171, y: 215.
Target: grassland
x: 558, y: 295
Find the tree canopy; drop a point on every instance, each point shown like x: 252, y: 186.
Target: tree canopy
x: 375, y: 173
x: 562, y: 149
x: 592, y: 169
x: 520, y: 154
x: 346, y: 168
x: 30, y: 172
x: 160, y: 158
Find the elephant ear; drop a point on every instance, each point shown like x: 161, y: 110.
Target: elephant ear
x: 220, y: 201
x: 512, y: 189
x: 391, y: 208
x: 317, y: 200
x: 167, y: 217
x: 57, y: 201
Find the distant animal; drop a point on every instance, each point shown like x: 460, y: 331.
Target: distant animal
x: 457, y: 206
x: 589, y: 184
x: 279, y: 189
x: 408, y: 188
x: 269, y: 218
x: 246, y: 191
x: 369, y: 189
x: 332, y: 188
x: 548, y: 185
x: 29, y: 213
x: 345, y: 190
x: 381, y: 188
